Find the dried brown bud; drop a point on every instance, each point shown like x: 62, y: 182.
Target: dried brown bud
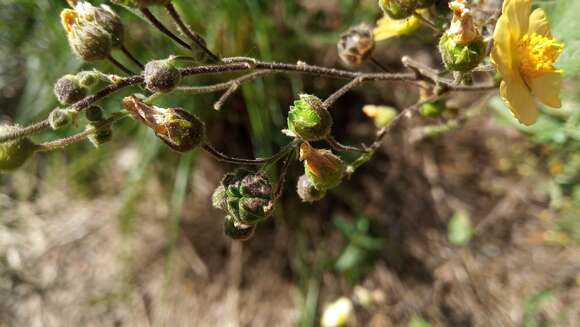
x: 356, y: 44
x: 179, y: 129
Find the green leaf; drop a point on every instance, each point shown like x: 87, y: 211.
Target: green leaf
x: 562, y: 15
x: 533, y: 306
x: 460, y: 230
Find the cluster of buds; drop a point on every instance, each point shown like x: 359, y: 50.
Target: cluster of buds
x: 308, y: 119
x: 141, y: 3
x: 323, y: 171
x: 356, y: 45
x: 97, y: 120
x: 462, y: 47
x: 401, y: 9
x: 247, y: 198
x: 179, y: 129
x: 13, y: 154
x: 92, y: 31
x: 162, y: 75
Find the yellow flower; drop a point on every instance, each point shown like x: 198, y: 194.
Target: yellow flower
x: 524, y: 53
x: 388, y: 27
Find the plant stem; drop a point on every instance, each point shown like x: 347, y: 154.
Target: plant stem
x: 132, y: 57
x: 119, y: 65
x: 159, y: 25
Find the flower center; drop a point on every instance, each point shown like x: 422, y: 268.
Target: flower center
x: 538, y: 54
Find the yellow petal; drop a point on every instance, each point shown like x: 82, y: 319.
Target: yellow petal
x: 547, y: 88
x: 539, y: 23
x: 518, y: 14
x: 501, y: 53
x: 519, y: 99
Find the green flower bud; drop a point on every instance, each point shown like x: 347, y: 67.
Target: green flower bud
x: 398, y: 9
x: 432, y: 109
x: 324, y: 169
x: 101, y: 136
x: 95, y: 114
x: 461, y: 57
x: 13, y: 154
x: 254, y: 210
x: 307, y: 191
x: 88, y: 78
x: 308, y: 119
x: 179, y: 129
x: 68, y: 90
x: 58, y: 118
x: 238, y: 231
x: 162, y: 76
x: 356, y: 45
x: 245, y: 196
x: 218, y: 198
x: 87, y: 39
x: 141, y: 3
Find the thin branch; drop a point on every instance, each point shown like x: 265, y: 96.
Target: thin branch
x: 159, y: 25
x: 64, y: 142
x: 224, y: 158
x: 342, y: 91
x: 25, y: 131
x: 132, y: 57
x: 283, y: 174
x: 198, y: 40
x: 427, y: 22
x: 337, y: 146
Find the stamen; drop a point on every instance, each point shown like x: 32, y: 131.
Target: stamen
x: 538, y: 54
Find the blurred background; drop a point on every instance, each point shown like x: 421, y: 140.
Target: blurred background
x: 475, y: 224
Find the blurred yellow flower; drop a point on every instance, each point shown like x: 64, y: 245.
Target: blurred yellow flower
x: 388, y: 27
x: 524, y: 53
x: 337, y: 313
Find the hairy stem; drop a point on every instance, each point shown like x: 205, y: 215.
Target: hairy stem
x: 159, y: 25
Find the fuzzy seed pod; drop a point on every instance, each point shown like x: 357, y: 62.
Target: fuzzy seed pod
x: 110, y: 22
x: 238, y: 231
x: 161, y: 76
x: 101, y: 136
x: 141, y: 3
x: 179, y: 129
x: 69, y: 90
x: 87, y: 39
x: 58, y: 118
x: 324, y: 169
x: 461, y: 57
x: 356, y: 45
x: 398, y: 9
x: 307, y: 191
x: 88, y: 78
x: 308, y: 119
x: 13, y: 154
x: 95, y: 114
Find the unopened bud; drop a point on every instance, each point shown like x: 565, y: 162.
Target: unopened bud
x: 13, y: 154
x: 307, y: 191
x: 381, y: 115
x: 324, y: 169
x: 161, y: 76
x: 87, y: 39
x: 356, y: 44
x: 308, y: 119
x: 58, y: 118
x: 102, y: 135
x: 179, y: 129
x: 398, y: 9
x: 69, y: 90
x: 95, y: 114
x: 238, y: 231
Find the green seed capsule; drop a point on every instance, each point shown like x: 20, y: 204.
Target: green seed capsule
x: 58, y: 119
x: 13, y: 154
x: 461, y: 57
x: 95, y: 114
x: 308, y: 119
